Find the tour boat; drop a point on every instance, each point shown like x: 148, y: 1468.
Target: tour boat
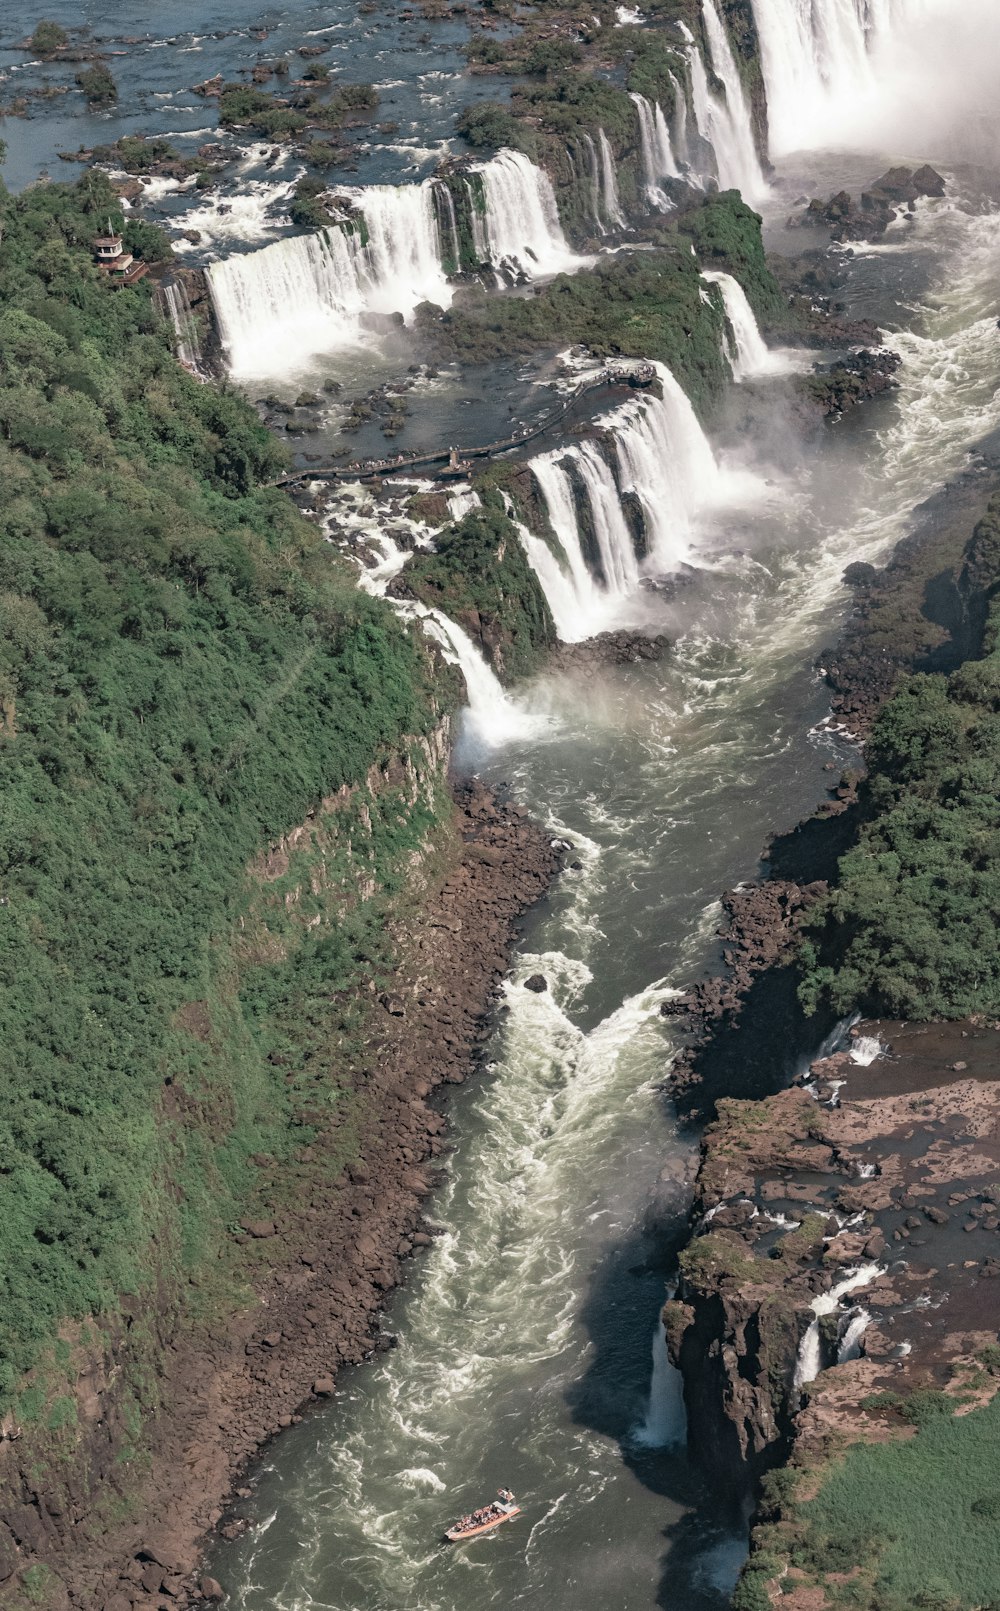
x: 469, y: 1527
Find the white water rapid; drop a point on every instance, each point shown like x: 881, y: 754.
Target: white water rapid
x: 810, y: 1360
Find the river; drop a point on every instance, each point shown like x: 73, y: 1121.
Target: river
x: 527, y: 1336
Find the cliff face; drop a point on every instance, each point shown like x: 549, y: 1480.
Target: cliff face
x: 149, y: 1411
x: 842, y: 1270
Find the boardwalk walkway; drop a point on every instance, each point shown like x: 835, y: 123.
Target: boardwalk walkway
x: 457, y: 461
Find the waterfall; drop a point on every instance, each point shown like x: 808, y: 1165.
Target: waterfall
x: 310, y: 294
x: 594, y: 183
x: 680, y: 122
x: 493, y: 718
x: 810, y: 1360
x: 746, y: 349
x: 665, y: 1425
x: 657, y: 154
x: 578, y: 602
x: 725, y: 123
x: 462, y: 503
x: 849, y: 1346
x: 188, y: 346
x: 819, y: 62
x: 445, y: 203
x: 664, y: 458
x: 480, y: 244
x: 522, y: 219
x: 609, y: 184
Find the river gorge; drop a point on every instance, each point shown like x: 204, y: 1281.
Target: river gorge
x: 714, y: 508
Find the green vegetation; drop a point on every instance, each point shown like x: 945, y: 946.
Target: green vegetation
x: 98, y: 85
x: 137, y: 153
x: 917, y: 1515
x: 490, y: 126
x: 909, y: 931
x: 636, y: 305
x: 186, y: 668
x: 726, y: 234
x: 48, y: 38
x: 241, y: 105
x: 479, y: 574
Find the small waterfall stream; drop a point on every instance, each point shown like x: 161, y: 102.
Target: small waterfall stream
x: 657, y: 154
x: 613, y: 214
x: 746, y: 349
x: 188, y: 345
x: 522, y: 219
x: 665, y: 1423
x: 810, y: 1360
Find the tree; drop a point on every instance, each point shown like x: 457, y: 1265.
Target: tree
x: 98, y: 85
x: 48, y: 38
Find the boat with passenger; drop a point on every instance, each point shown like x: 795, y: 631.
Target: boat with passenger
x: 486, y: 1520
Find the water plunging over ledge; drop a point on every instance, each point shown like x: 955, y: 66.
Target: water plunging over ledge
x: 526, y: 1334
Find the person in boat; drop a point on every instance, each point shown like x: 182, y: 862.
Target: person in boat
x: 506, y: 1499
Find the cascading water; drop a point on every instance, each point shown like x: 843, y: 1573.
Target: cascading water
x: 665, y: 1422
x: 448, y: 223
x: 578, y: 603
x: 492, y: 717
x: 188, y: 346
x: 593, y: 182
x: 810, y: 1360
x: 746, y: 349
x: 311, y: 294
x: 658, y: 161
x: 522, y: 219
x: 680, y: 132
x: 819, y: 61
x: 725, y: 122
x: 664, y: 459
x: 849, y: 1346
x: 613, y: 214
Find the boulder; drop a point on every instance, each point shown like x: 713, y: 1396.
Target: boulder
x: 260, y: 1229
x: 211, y: 1589
x: 538, y: 983
x: 323, y: 1386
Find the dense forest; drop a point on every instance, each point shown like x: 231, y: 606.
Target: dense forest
x: 185, y: 670
x: 910, y: 930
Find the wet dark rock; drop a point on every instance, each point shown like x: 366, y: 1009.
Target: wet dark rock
x: 537, y: 982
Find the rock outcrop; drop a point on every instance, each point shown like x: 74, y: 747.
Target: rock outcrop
x: 847, y: 1246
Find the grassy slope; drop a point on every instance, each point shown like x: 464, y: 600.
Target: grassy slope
x: 185, y: 669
